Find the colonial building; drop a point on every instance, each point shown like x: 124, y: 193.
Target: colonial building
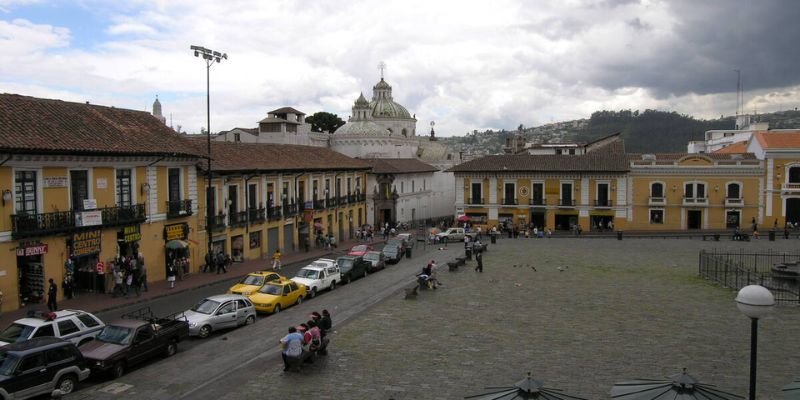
x: 268, y: 197
x: 83, y: 185
x: 402, y: 190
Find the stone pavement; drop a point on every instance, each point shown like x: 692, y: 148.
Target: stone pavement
x: 99, y: 302
x: 618, y: 310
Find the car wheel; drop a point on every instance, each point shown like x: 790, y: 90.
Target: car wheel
x: 67, y: 383
x: 348, y: 279
x: 312, y: 293
x: 118, y: 370
x: 299, y: 300
x: 365, y: 273
x: 172, y: 348
x: 250, y: 320
x: 333, y: 285
x: 277, y: 309
x: 205, y: 330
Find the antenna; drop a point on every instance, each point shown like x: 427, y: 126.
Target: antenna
x: 738, y: 88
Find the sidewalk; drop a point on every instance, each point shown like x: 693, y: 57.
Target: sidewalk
x: 100, y: 302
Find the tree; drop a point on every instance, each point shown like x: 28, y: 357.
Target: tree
x: 324, y: 122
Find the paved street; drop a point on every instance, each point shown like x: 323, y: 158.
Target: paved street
x: 619, y: 310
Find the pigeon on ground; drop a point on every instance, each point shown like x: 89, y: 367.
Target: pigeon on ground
x: 560, y: 269
x: 533, y: 268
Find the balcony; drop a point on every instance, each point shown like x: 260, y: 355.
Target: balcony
x: 510, y: 202
x: 537, y: 202
x: 603, y: 203
x: 256, y: 215
x: 217, y: 223
x: 657, y: 201
x: 351, y: 198
x: 475, y: 200
x: 791, y: 186
x: 343, y: 200
x: 289, y: 209
x: 361, y: 197
x: 566, y: 202
x: 319, y: 204
x: 238, y: 218
x: 695, y: 201
x: 734, y: 202
x: 274, y: 213
x: 27, y: 225
x: 331, y: 202
x: 179, y: 208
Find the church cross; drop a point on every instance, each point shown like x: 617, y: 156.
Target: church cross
x: 382, y: 67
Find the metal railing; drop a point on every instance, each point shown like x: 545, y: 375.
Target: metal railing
x: 475, y: 200
x: 737, y: 270
x: 510, y: 202
x: 179, y: 208
x: 238, y: 218
x: 566, y: 202
x: 274, y: 213
x: 538, y: 202
x: 256, y: 215
x: 603, y: 203
x: 26, y: 225
x: 217, y: 223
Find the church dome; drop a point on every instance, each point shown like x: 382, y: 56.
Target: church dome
x: 362, y: 101
x: 382, y: 104
x: 360, y: 128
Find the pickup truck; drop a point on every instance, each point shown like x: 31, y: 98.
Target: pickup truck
x: 134, y: 339
x: 319, y: 275
x: 455, y: 235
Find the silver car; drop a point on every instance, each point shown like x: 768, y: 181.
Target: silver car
x: 220, y: 312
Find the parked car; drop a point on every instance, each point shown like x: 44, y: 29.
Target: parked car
x: 40, y: 366
x: 376, y: 259
x: 455, y: 234
x: 320, y: 275
x: 398, y: 242
x: 392, y: 252
x: 353, y: 267
x: 219, y: 312
x: 408, y: 239
x: 134, y: 339
x: 359, y: 250
x: 78, y: 327
x: 254, y: 281
x: 277, y: 295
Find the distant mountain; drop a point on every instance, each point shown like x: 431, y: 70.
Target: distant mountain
x: 650, y: 131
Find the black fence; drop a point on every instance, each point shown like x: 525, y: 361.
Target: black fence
x: 737, y: 270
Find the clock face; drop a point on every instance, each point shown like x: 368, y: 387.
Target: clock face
x: 523, y: 191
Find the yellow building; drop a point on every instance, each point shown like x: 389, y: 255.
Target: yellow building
x: 268, y: 197
x: 780, y: 151
x: 83, y: 185
x: 555, y: 191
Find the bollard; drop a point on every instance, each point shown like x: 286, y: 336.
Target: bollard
x: 619, y: 235
x: 494, y: 239
x: 408, y: 252
x: 468, y: 253
x: 772, y: 236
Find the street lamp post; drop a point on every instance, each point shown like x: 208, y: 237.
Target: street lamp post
x: 755, y: 302
x: 210, y: 57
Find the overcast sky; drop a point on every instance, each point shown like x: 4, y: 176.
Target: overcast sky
x: 464, y: 64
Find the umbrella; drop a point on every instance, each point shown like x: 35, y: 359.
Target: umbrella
x: 318, y: 226
x: 177, y: 244
x: 527, y: 388
x: 679, y: 386
x: 463, y: 218
x: 792, y: 391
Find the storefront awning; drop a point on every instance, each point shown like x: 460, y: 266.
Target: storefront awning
x: 177, y: 244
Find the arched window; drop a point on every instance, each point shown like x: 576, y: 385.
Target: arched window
x: 404, y: 132
x: 794, y: 174
x: 734, y: 191
x: 657, y: 189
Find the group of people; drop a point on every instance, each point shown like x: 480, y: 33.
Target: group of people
x: 429, y: 277
x: 307, y: 337
x: 218, y: 263
x: 130, y: 276
x: 364, y: 234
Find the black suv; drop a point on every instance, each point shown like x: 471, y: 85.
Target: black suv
x: 40, y: 366
x: 353, y: 267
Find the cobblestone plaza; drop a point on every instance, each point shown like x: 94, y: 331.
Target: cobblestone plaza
x: 619, y: 310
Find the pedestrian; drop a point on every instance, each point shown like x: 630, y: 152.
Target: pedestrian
x: 171, y: 275
x: 66, y: 286
x: 179, y: 269
x: 209, y: 265
x: 228, y: 263
x: 128, y: 283
x: 142, y: 273
x: 119, y: 278
x: 276, y: 260
x: 292, y: 346
x: 220, y: 262
x: 52, y: 291
x: 434, y: 276
x: 479, y: 259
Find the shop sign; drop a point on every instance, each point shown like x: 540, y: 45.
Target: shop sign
x: 89, y: 218
x: 55, y: 182
x: 32, y: 250
x: 131, y: 233
x: 102, y: 183
x: 87, y: 242
x: 89, y: 204
x: 175, y: 232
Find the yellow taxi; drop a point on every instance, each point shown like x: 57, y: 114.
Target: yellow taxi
x: 254, y: 281
x: 277, y: 295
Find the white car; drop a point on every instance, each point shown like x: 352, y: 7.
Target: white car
x: 319, y: 275
x: 75, y: 326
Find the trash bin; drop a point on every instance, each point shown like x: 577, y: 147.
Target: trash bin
x: 468, y: 253
x: 772, y: 236
x: 619, y: 235
x: 716, y: 237
x: 494, y: 238
x: 408, y: 252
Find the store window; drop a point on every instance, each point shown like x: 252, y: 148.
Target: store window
x: 656, y: 216
x: 25, y: 189
x: 124, y: 198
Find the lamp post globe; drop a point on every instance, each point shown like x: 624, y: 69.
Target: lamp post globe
x: 755, y: 302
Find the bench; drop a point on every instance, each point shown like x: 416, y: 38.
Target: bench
x: 743, y: 237
x: 296, y: 362
x: 714, y: 237
x: 452, y: 266
x: 461, y: 261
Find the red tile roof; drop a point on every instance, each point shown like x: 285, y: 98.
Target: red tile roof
x: 738, y: 147
x: 778, y: 140
x: 29, y: 124
x: 398, y: 165
x: 233, y: 156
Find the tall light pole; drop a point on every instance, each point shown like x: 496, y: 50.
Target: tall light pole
x: 755, y: 302
x: 210, y: 57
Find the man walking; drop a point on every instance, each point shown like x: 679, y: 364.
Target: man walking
x: 52, y: 291
x: 276, y: 260
x: 479, y: 259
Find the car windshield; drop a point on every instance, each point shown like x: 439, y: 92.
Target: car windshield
x: 389, y: 248
x: 16, y: 332
x: 271, y: 289
x: 256, y: 280
x: 345, y: 263
x: 7, y: 363
x: 205, y: 306
x: 115, y: 334
x: 359, y: 248
x: 372, y: 256
x: 307, y: 273
x: 396, y: 242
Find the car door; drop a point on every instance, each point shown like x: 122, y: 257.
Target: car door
x: 332, y: 272
x: 44, y: 330
x: 225, y: 316
x: 241, y: 312
x: 324, y: 279
x: 57, y: 359
x: 31, y: 376
x: 143, y: 346
x: 69, y: 330
x: 286, y: 298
